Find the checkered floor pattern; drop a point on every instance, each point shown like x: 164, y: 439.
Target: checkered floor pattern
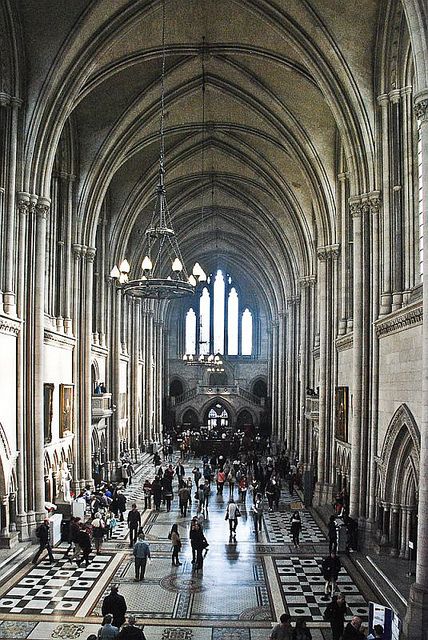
x: 51, y: 589
x: 277, y: 526
x: 302, y: 586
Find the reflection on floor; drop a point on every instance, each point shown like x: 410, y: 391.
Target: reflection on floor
x: 242, y: 591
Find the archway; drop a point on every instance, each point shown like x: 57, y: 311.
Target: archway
x: 217, y: 417
x: 176, y: 388
x: 398, y: 479
x: 190, y: 420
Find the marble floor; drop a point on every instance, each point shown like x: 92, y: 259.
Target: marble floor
x: 244, y: 587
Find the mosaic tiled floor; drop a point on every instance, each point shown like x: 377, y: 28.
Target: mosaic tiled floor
x: 242, y: 591
x: 50, y: 588
x: 302, y: 586
x: 277, y: 526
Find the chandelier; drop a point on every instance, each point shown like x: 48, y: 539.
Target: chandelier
x: 163, y: 272
x: 211, y: 361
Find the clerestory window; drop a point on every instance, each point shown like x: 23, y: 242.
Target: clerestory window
x: 222, y: 322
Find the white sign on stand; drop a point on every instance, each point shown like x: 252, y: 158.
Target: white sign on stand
x: 55, y: 528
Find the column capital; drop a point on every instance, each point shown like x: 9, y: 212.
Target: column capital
x: 383, y: 99
x: 292, y: 301
x: 23, y: 202
x: 42, y: 207
x: 421, y: 106
x: 90, y: 253
x: 342, y: 177
x: 394, y: 95
x: 328, y: 252
x: 7, y: 100
x: 77, y: 250
x: 307, y: 281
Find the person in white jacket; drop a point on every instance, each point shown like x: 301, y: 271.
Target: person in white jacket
x: 232, y: 514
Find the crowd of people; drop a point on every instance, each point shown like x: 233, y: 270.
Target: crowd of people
x: 262, y: 477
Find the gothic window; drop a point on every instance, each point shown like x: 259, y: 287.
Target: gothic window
x: 222, y: 322
x: 191, y: 332
x: 247, y: 332
x: 217, y: 417
x: 232, y: 323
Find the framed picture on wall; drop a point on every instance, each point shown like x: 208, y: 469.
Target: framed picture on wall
x: 66, y: 409
x: 341, y: 413
x: 48, y: 390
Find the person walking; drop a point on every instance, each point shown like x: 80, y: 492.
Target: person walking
x: 130, y: 631
x: 134, y: 524
x: 141, y: 552
x: 83, y: 546
x: 72, y: 534
x: 167, y: 492
x: 183, y: 499
x: 283, y: 630
x: 174, y: 536
x: 43, y: 534
x: 330, y: 568
x: 115, y: 604
x: 199, y: 542
x: 335, y: 614
x: 157, y: 492
x: 221, y: 477
x: 121, y: 505
x: 232, y: 514
x: 332, y: 534
x: 98, y: 531
x: 147, y: 490
x: 108, y: 631
x: 295, y: 529
x: 300, y: 631
x: 257, y: 511
x: 353, y: 630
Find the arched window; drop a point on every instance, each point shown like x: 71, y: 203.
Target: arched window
x: 204, y: 322
x: 247, y: 332
x: 218, y: 325
x: 232, y: 323
x: 217, y: 417
x: 219, y: 289
x: 191, y: 332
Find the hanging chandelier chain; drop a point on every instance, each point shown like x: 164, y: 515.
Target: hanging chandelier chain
x: 162, y: 114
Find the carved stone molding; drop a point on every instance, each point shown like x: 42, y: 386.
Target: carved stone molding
x: 345, y: 342
x: 99, y: 351
x: 9, y: 326
x: 400, y: 320
x: 59, y: 340
x: 421, y: 109
x: 307, y: 281
x: 328, y: 252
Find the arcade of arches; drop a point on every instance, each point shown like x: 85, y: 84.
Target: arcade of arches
x: 296, y: 145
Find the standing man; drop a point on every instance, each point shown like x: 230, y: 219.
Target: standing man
x: 330, y: 568
x: 283, y: 630
x: 258, y: 513
x: 42, y: 532
x: 183, y: 499
x: 130, y: 631
x: 134, y: 523
x: 115, y: 604
x: 141, y: 553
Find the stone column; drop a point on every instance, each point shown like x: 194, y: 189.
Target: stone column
x: 305, y: 313
x: 408, y: 195
x: 386, y: 297
x: 135, y: 356
x: 282, y: 406
x: 41, y: 210
x: 385, y: 523
x: 357, y: 211
x: 322, y: 254
x: 404, y: 536
x: 276, y: 392
x: 23, y: 201
x: 417, y: 611
x: 374, y: 373
x: 68, y: 277
x: 86, y: 386
x: 344, y: 284
x: 393, y: 529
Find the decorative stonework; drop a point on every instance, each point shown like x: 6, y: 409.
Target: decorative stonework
x: 9, y: 326
x: 345, y: 342
x: 400, y: 320
x: 59, y: 340
x: 421, y: 109
x: 307, y: 281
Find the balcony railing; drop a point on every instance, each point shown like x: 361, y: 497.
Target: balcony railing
x: 101, y: 405
x: 220, y: 390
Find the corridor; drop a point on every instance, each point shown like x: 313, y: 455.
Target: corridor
x: 242, y: 591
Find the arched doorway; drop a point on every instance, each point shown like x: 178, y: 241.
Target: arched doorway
x: 176, y: 388
x: 190, y: 420
x: 217, y: 418
x: 259, y: 388
x: 397, y: 484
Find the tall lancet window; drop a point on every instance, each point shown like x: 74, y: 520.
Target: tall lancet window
x: 191, y: 332
x: 247, y: 333
x: 219, y: 289
x: 232, y: 323
x: 217, y: 324
x: 204, y: 319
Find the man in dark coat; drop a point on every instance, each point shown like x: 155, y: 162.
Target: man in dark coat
x: 353, y: 630
x: 121, y: 504
x: 115, y: 604
x: 330, y: 568
x: 130, y: 631
x: 134, y: 524
x: 42, y: 532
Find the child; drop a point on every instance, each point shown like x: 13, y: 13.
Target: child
x: 111, y: 524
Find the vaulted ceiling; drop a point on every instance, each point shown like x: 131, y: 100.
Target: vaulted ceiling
x: 288, y: 91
